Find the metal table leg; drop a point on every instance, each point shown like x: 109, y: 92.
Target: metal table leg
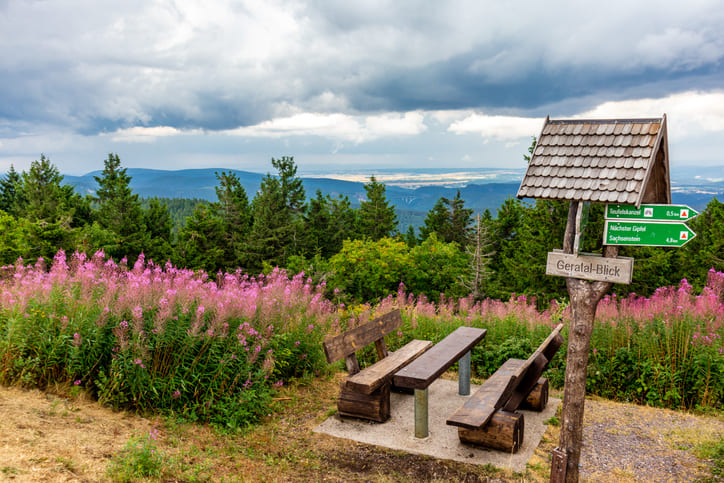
x: 464, y: 375
x: 421, y: 429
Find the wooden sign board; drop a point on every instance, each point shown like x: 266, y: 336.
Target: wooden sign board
x: 590, y: 266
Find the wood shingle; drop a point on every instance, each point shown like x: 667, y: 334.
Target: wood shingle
x: 624, y: 161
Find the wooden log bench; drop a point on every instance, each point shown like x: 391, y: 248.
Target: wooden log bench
x: 424, y: 370
x: 490, y: 417
x: 365, y: 393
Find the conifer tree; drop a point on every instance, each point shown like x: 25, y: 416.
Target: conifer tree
x: 277, y: 229
x: 44, y: 197
x: 328, y: 222
x: 450, y: 220
x: 460, y: 221
x: 45, y: 205
x: 377, y: 218
x: 119, y: 211
x: 158, y: 227
x: 410, y: 238
x: 200, y: 244
x: 436, y: 220
x: 234, y: 214
x: 10, y: 192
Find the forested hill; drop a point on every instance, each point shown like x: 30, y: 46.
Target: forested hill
x: 201, y: 183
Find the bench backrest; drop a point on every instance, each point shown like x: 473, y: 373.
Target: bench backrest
x: 526, y: 376
x: 346, y: 344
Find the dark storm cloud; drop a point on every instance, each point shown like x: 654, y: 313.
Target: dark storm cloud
x: 82, y: 67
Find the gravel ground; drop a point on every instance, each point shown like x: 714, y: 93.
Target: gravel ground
x: 639, y: 443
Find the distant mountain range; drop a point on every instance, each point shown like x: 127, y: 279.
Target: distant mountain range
x: 481, y: 189
x: 201, y: 183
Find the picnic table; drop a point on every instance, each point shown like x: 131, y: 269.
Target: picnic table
x: 423, y: 371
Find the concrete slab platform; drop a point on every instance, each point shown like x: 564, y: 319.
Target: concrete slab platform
x: 443, y: 442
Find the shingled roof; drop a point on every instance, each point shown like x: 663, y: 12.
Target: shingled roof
x: 623, y: 161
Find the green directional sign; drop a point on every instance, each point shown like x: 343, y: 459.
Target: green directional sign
x: 646, y: 233
x: 650, y: 212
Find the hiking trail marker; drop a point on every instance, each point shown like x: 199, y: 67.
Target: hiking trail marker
x: 648, y: 225
x: 650, y: 212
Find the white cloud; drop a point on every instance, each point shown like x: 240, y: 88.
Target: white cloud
x: 498, y: 128
x: 687, y: 114
x: 139, y: 134
x: 356, y: 129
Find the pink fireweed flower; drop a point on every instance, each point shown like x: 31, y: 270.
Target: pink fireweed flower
x: 176, y: 394
x: 77, y: 383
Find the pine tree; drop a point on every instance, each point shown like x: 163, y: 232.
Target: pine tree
x: 410, y: 238
x: 10, y: 192
x: 200, y: 243
x: 523, y: 261
x: 436, y: 221
x: 277, y: 229
x: 377, y: 219
x: 328, y: 222
x: 119, y: 211
x: 46, y: 207
x: 450, y: 220
x: 158, y: 227
x: 460, y: 221
x: 234, y: 213
x: 43, y: 196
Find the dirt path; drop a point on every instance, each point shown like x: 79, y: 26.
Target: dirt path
x: 44, y: 437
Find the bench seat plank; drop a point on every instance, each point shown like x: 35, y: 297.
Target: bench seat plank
x: 381, y: 371
x: 495, y: 391
x: 420, y: 373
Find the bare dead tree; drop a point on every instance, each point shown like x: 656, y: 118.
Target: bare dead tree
x: 480, y: 259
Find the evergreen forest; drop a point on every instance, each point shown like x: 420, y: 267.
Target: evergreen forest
x: 358, y: 253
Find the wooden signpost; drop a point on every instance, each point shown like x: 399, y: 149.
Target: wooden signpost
x: 623, y: 163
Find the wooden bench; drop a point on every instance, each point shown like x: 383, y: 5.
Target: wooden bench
x: 424, y: 370
x: 490, y: 416
x: 366, y: 394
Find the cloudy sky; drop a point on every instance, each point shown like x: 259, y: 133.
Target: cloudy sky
x: 367, y: 84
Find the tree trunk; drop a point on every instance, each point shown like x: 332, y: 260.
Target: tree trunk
x: 584, y: 297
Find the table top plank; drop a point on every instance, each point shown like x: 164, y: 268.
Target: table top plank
x: 420, y: 373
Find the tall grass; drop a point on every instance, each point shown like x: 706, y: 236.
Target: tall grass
x: 152, y: 337
x: 665, y: 350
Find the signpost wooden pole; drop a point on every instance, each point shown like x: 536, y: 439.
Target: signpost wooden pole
x: 584, y: 296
